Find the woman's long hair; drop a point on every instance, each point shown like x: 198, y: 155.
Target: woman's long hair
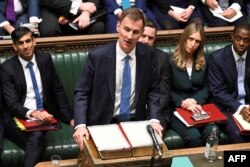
x: 180, y: 54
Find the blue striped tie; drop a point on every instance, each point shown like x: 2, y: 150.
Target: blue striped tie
x: 39, y: 102
x: 125, y: 92
x: 125, y: 4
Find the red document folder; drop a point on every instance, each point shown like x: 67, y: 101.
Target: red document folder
x: 243, y: 128
x: 215, y: 115
x: 32, y: 125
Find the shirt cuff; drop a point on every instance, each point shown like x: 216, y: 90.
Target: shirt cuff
x: 203, y: 1
x: 236, y: 7
x: 28, y: 114
x: 192, y: 7
x: 117, y: 11
x: 34, y: 19
x: 75, y: 6
x: 4, y: 23
x: 154, y: 120
x: 80, y: 125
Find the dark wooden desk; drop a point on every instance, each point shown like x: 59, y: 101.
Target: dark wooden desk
x: 196, y: 155
x: 91, y: 158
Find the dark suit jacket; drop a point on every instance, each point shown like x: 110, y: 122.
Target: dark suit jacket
x: 95, y: 91
x: 164, y: 5
x: 183, y: 87
x: 14, y: 89
x: 222, y: 75
x: 31, y: 7
x: 163, y: 68
x: 62, y: 7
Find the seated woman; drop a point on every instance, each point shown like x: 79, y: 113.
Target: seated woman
x: 189, y: 83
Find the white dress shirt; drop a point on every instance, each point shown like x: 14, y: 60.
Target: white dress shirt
x: 30, y: 100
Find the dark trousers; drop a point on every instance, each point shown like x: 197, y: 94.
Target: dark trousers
x: 192, y: 136
x: 33, y: 143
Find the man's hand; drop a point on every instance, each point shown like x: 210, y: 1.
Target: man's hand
x: 245, y: 112
x: 187, y: 13
x: 83, y: 20
x: 177, y: 16
x: 9, y: 28
x: 88, y: 6
x: 41, y: 115
x: 157, y: 127
x: 213, y: 4
x: 79, y: 135
x: 229, y: 13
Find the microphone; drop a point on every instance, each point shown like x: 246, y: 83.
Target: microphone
x: 155, y: 141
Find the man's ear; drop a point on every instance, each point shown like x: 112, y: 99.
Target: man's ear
x: 14, y: 47
x: 118, y: 26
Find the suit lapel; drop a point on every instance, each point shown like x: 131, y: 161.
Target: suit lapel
x: 20, y: 74
x: 140, y: 65
x: 247, y: 72
x: 109, y: 65
x: 228, y: 57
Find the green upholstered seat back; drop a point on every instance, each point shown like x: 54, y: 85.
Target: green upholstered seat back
x: 69, y: 66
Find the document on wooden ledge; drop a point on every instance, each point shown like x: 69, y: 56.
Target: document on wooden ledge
x: 122, y: 140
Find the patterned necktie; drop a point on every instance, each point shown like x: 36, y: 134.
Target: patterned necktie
x: 125, y: 4
x: 39, y: 102
x: 124, y: 114
x: 223, y: 4
x: 241, y: 74
x: 10, y: 12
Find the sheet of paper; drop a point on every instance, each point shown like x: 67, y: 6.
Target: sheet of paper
x: 177, y: 9
x: 137, y: 133
x: 181, y: 161
x: 217, y: 13
x: 181, y: 119
x: 108, y: 137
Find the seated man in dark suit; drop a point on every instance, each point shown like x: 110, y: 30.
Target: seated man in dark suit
x: 119, y: 81
x: 57, y: 14
x: 148, y: 38
x: 228, y: 75
x: 32, y: 90
x: 18, y: 13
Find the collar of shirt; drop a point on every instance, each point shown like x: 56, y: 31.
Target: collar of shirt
x: 121, y: 54
x: 24, y: 62
x: 236, y: 56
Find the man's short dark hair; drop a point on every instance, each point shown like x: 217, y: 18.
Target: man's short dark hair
x: 150, y: 23
x: 242, y: 25
x: 133, y: 13
x: 19, y: 32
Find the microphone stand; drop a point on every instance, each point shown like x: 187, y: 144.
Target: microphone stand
x: 152, y: 160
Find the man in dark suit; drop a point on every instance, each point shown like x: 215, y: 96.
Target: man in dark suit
x: 25, y: 11
x: 230, y: 9
x: 98, y: 93
x: 115, y: 8
x: 148, y: 38
x: 78, y: 12
x: 229, y: 94
x: 21, y: 95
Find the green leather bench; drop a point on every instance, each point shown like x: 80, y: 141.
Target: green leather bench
x: 69, y: 66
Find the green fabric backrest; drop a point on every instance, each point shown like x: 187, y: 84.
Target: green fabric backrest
x: 69, y: 66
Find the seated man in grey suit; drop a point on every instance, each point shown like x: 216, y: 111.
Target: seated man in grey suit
x: 229, y: 79
x: 119, y: 81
